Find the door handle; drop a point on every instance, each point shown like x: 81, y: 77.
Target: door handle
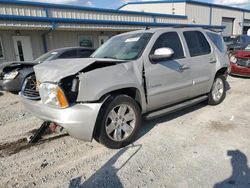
x: 212, y: 61
x: 183, y: 67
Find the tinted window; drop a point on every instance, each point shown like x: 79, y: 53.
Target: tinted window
x: 85, y: 53
x: 170, y: 40
x: 217, y: 40
x: 197, y: 43
x: 69, y: 54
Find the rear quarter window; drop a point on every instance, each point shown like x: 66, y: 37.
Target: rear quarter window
x: 197, y: 43
x: 217, y: 40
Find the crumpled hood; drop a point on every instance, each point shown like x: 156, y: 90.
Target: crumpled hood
x: 54, y: 71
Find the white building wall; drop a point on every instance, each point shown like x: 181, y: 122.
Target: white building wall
x: 161, y: 8
x: 247, y: 15
x: 198, y: 14
x: 8, y: 46
x: 55, y: 39
x: 60, y: 39
x: 219, y: 13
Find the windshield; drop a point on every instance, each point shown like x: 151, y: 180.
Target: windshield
x: 46, y: 57
x: 123, y: 47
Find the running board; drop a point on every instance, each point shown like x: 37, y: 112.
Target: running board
x: 176, y: 107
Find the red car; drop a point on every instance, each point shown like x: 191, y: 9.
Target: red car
x: 240, y: 63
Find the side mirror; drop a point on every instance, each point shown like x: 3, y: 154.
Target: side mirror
x: 161, y: 54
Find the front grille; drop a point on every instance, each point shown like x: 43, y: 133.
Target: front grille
x: 243, y: 62
x: 29, y: 89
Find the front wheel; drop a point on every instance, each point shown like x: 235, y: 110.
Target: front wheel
x: 119, y: 122
x: 218, y: 91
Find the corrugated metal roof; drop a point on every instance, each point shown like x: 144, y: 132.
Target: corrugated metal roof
x: 65, y: 6
x: 188, y: 1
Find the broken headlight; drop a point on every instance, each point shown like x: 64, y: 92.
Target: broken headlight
x: 52, y: 94
x: 233, y: 59
x: 10, y: 75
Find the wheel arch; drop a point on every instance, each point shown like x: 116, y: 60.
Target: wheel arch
x: 222, y: 71
x: 132, y: 92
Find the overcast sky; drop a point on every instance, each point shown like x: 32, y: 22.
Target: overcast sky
x: 116, y: 3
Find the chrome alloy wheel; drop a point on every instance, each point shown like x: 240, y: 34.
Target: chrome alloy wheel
x: 120, y: 122
x: 218, y: 89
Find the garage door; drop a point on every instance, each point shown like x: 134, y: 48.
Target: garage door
x: 246, y: 28
x: 228, y: 23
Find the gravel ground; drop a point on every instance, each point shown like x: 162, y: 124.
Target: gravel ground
x: 202, y: 146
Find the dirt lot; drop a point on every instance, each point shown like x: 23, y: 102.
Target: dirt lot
x: 203, y: 146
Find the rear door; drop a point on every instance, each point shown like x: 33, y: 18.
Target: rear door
x: 168, y: 81
x: 84, y: 53
x: 68, y: 54
x: 202, y: 61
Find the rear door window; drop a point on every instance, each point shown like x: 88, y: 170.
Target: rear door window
x: 217, y: 40
x: 83, y: 53
x: 170, y: 40
x: 68, y: 54
x: 197, y: 43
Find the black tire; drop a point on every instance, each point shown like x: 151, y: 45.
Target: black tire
x: 101, y: 134
x: 211, y: 98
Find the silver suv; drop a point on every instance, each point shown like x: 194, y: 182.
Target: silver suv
x: 145, y: 73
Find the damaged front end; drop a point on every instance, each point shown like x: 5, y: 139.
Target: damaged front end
x: 12, y: 75
x: 73, y: 91
x: 55, y: 100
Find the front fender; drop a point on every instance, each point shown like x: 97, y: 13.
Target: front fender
x: 95, y: 84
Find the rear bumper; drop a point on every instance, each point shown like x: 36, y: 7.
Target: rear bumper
x: 240, y: 70
x: 79, y: 120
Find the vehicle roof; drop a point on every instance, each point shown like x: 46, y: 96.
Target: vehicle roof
x: 154, y: 30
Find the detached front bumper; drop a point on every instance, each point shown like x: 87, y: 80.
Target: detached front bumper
x: 79, y: 120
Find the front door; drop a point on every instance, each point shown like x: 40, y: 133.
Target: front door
x: 23, y: 48
x: 168, y: 81
x: 102, y: 39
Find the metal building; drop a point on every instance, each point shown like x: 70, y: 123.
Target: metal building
x: 236, y: 20
x: 28, y: 29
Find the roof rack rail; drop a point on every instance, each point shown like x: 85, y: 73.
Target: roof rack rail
x: 199, y: 26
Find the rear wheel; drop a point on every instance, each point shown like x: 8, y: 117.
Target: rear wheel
x: 218, y: 91
x: 118, y: 122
